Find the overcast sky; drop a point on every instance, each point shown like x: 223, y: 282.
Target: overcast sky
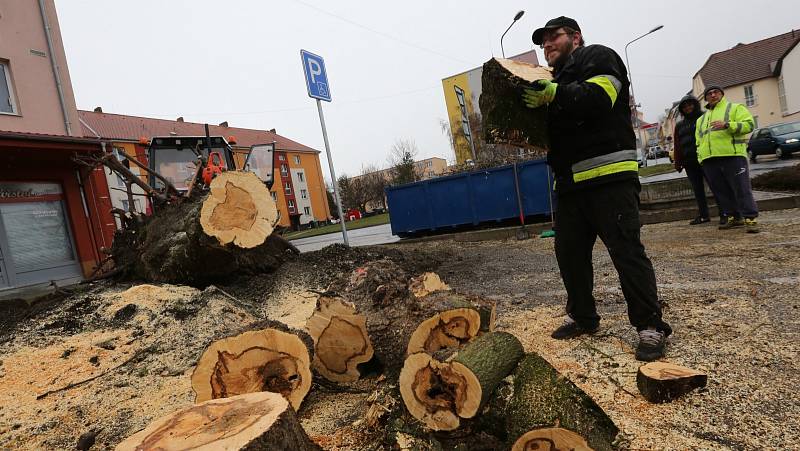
x: 238, y: 60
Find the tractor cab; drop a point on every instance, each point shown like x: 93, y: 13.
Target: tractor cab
x: 176, y: 158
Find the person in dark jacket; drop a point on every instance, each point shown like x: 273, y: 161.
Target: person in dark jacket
x: 593, y: 155
x: 686, y: 155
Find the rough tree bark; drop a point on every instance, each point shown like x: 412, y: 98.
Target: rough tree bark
x: 205, y: 238
x: 253, y: 421
x: 506, y: 119
x: 440, y: 390
x: 662, y: 381
x: 271, y: 358
x: 544, y: 398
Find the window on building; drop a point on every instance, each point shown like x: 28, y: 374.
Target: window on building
x: 282, y: 157
x: 284, y: 169
x: 291, y: 205
x: 303, y: 194
x: 287, y: 188
x: 7, y: 104
x: 301, y: 176
x: 782, y: 96
x: 274, y: 195
x: 749, y: 97
x: 430, y: 164
x: 462, y: 104
x: 307, y: 210
x: 297, y: 159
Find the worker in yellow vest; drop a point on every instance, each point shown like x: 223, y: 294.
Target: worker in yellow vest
x: 722, y: 152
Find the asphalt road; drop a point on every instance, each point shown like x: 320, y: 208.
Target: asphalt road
x: 382, y: 234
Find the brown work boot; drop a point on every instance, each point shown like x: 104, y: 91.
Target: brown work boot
x: 751, y: 225
x: 732, y: 223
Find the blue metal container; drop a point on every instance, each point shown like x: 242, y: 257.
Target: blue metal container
x: 469, y: 198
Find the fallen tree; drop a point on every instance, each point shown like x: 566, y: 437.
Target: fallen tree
x: 506, y: 119
x: 544, y: 398
x: 270, y: 358
x: 252, y: 421
x: 206, y: 237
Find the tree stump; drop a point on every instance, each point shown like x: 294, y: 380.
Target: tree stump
x: 554, y: 439
x: 662, y: 382
x: 253, y: 421
x: 270, y: 360
x: 341, y: 341
x: 205, y: 238
x: 544, y: 398
x: 441, y: 393
x: 506, y: 119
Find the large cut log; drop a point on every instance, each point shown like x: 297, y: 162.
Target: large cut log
x: 341, y: 341
x: 458, y: 318
x: 662, y: 381
x: 506, y: 119
x: 275, y: 359
x: 207, y: 237
x: 373, y: 312
x: 254, y: 421
x: 544, y: 398
x: 440, y: 393
x: 554, y: 439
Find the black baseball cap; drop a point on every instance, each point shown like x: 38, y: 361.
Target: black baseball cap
x: 554, y: 24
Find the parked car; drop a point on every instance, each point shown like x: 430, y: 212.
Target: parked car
x: 782, y: 140
x: 639, y: 157
x: 655, y: 152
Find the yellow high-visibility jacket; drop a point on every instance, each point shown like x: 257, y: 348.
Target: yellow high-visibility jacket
x: 727, y: 142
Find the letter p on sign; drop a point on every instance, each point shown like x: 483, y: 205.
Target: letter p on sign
x: 316, y: 78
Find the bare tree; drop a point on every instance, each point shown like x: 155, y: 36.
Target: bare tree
x: 373, y: 182
x: 402, y: 167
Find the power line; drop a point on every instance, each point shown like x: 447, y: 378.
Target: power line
x: 381, y: 33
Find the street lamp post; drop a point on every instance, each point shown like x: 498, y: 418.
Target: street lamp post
x: 633, y: 96
x: 516, y: 18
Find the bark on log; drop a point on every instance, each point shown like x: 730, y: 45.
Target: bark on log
x: 662, y: 382
x: 506, y: 119
x: 441, y: 393
x: 202, y: 239
x: 254, y: 421
x: 544, y: 398
x: 275, y: 359
x: 550, y: 439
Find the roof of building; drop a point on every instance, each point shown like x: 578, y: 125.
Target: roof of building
x: 131, y: 128
x: 47, y: 137
x: 747, y: 62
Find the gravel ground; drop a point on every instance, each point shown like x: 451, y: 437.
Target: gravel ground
x: 731, y: 298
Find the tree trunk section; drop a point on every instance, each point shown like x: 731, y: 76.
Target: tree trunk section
x: 544, y: 398
x: 506, y: 119
x: 203, y: 239
x: 254, y: 421
x: 662, y: 382
x: 441, y: 393
x: 341, y: 341
x: 275, y: 359
x: 551, y: 439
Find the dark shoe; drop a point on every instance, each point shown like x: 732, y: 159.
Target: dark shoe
x: 751, y: 225
x: 652, y: 344
x: 571, y: 329
x: 732, y: 223
x: 699, y: 220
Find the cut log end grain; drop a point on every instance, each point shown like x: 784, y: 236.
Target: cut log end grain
x: 251, y: 421
x: 238, y: 210
x: 662, y: 382
x: 448, y: 329
x: 341, y: 341
x: 426, y: 284
x: 551, y: 439
x: 441, y: 393
x: 255, y: 361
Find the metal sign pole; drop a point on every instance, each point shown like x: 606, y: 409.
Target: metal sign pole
x: 333, y: 173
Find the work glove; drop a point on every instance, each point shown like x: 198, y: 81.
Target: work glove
x: 541, y: 93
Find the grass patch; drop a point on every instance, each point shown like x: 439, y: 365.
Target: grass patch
x: 663, y: 168
x: 336, y: 228
x: 782, y: 179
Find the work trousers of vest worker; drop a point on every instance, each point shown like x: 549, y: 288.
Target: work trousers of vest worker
x: 729, y: 179
x: 610, y: 211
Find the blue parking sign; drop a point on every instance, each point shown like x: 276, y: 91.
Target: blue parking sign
x: 316, y: 77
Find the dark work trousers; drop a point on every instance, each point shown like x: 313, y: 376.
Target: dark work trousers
x: 610, y: 211
x: 696, y: 177
x: 729, y: 179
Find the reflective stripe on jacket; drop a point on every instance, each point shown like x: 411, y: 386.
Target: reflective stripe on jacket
x: 727, y: 142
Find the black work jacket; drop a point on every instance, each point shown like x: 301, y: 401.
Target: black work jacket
x: 684, y: 140
x: 582, y: 123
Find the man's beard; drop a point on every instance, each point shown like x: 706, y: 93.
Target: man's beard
x: 564, y: 52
